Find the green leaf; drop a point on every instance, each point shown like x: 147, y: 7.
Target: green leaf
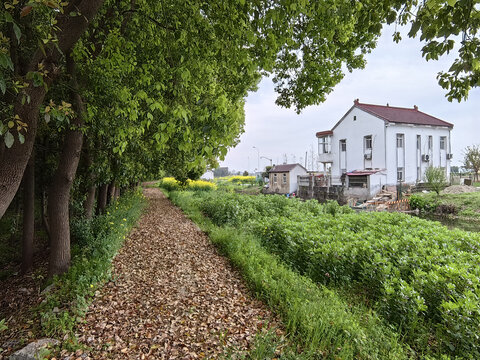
x: 451, y: 2
x: 2, y: 128
x: 17, y: 31
x: 21, y: 138
x: 8, y: 139
x: 3, y: 86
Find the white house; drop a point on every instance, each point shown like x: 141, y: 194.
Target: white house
x: 375, y: 145
x: 283, y: 179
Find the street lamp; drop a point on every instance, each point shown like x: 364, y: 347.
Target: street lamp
x: 258, y: 157
x: 264, y: 157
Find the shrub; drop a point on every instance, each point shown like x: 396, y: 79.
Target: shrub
x: 435, y: 177
x: 243, y: 179
x: 170, y: 184
x: 423, y: 203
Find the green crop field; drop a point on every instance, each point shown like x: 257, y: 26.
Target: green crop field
x: 419, y: 276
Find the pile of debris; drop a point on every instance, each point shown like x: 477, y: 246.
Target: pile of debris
x: 459, y: 189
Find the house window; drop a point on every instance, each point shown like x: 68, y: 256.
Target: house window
x: 354, y: 118
x: 419, y: 142
x: 324, y: 145
x: 368, y: 142
x: 400, y: 176
x: 443, y: 140
x: 343, y: 145
x: 274, y: 178
x: 430, y: 142
x: 399, y: 140
x: 284, y: 178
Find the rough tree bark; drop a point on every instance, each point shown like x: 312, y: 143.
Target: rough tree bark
x: 117, y: 192
x: 59, y: 192
x: 90, y: 202
x: 111, y: 192
x: 14, y: 160
x: 102, y: 199
x: 28, y: 215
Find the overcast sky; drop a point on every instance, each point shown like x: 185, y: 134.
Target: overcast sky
x: 395, y: 74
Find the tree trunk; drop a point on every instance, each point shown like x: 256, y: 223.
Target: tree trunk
x: 117, y: 192
x: 59, y: 193
x: 111, y: 192
x: 90, y: 202
x: 102, y: 199
x: 28, y: 215
x: 14, y: 160
x: 43, y: 209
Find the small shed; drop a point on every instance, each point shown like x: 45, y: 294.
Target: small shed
x: 365, y: 183
x: 283, y: 178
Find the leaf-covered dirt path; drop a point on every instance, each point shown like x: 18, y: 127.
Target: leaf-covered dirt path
x: 172, y: 295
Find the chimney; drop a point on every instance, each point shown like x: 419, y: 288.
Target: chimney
x: 356, y: 101
x: 415, y: 107
x: 388, y: 105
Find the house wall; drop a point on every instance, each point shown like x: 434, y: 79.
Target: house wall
x: 385, y: 154
x: 279, y: 186
x: 412, y: 158
x: 354, y: 132
x: 293, y: 178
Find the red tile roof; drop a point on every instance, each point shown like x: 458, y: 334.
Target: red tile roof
x: 401, y: 115
x: 324, y: 133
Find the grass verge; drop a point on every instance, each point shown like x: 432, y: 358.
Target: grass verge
x: 95, y: 244
x: 317, y: 320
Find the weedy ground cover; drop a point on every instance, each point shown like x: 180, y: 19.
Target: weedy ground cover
x: 463, y: 204
x: 95, y: 244
x: 419, y: 276
x: 324, y: 324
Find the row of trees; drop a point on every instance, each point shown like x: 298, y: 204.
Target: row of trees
x: 98, y: 94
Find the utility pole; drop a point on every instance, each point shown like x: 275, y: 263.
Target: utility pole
x: 258, y: 158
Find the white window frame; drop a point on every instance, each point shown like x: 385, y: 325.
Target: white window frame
x: 400, y: 174
x: 342, y: 143
x: 324, y: 145
x: 400, y: 141
x: 368, y: 142
x: 284, y: 178
x: 443, y: 142
x: 274, y: 178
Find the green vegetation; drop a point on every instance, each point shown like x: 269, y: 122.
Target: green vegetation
x: 324, y: 324
x: 435, y: 177
x: 419, y: 276
x: 171, y: 184
x: 96, y: 242
x: 463, y: 204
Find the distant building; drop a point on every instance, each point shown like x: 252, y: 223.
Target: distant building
x: 283, y: 178
x: 208, y: 175
x: 375, y: 145
x: 220, y: 172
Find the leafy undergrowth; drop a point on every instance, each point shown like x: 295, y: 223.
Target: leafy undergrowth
x: 95, y: 244
x: 462, y: 204
x: 420, y: 277
x: 321, y: 323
